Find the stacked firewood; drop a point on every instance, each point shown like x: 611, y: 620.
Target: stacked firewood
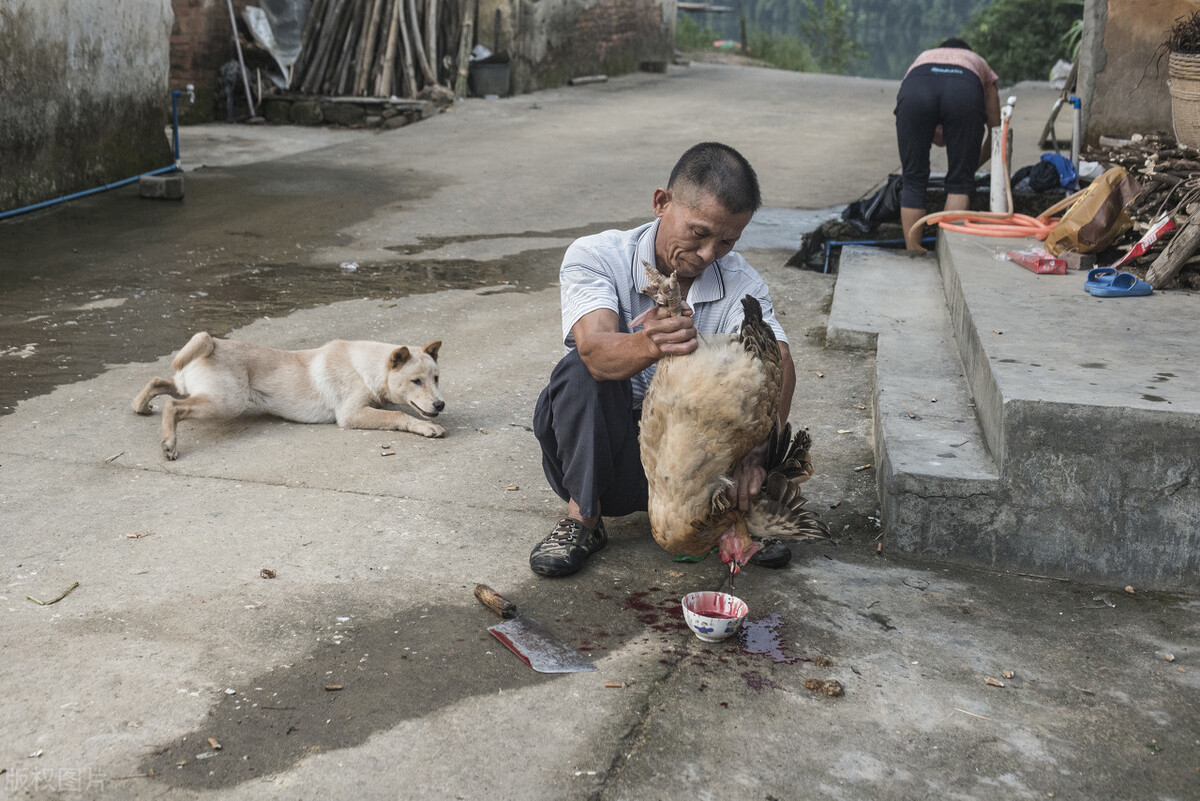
x: 1170, y: 177
x: 374, y: 48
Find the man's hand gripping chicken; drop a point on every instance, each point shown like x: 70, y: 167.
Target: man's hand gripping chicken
x: 719, y: 465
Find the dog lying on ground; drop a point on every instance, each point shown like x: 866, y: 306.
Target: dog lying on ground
x: 341, y: 381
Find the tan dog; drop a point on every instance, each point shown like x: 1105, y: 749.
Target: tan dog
x: 343, y: 382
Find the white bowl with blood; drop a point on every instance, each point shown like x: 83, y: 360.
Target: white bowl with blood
x: 713, y: 616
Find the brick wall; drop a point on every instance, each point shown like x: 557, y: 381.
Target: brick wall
x: 552, y: 41
x: 201, y: 41
x: 588, y: 37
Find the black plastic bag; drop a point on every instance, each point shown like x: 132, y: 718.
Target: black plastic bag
x: 884, y: 206
x: 1040, y: 177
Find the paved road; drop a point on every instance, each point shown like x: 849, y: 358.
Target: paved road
x: 173, y: 637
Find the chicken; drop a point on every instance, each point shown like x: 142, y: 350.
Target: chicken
x: 702, y: 414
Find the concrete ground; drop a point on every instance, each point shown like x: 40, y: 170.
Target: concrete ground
x: 173, y: 636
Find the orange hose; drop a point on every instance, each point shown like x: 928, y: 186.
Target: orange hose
x: 993, y: 223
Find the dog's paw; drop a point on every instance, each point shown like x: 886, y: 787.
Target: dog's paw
x: 428, y: 429
x: 170, y: 452
x: 143, y: 409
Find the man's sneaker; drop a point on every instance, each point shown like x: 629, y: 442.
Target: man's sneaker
x: 773, y: 554
x: 567, y: 548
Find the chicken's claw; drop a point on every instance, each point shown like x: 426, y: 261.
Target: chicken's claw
x: 664, y: 289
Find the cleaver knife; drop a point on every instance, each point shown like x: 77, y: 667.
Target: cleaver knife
x: 530, y: 640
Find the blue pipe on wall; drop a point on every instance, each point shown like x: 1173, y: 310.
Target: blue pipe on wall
x: 96, y: 190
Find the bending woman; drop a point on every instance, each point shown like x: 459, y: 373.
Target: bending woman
x: 948, y: 98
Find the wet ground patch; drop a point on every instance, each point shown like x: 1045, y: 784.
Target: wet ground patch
x: 362, y: 676
x: 118, y: 279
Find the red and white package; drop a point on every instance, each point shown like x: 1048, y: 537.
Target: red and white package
x: 1039, y: 261
x: 1157, y: 229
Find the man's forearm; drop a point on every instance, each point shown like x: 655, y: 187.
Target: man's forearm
x: 787, y: 385
x: 616, y: 356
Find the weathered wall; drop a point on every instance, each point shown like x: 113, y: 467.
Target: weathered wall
x: 83, y: 94
x: 1119, y: 44
x: 551, y: 41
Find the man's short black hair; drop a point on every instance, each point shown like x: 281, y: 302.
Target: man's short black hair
x: 721, y: 171
x: 954, y: 41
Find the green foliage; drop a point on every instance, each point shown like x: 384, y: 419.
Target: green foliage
x: 1073, y: 39
x: 690, y: 36
x: 826, y: 31
x: 880, y: 38
x: 780, y: 50
x: 895, y: 31
x: 1021, y: 39
x: 890, y: 33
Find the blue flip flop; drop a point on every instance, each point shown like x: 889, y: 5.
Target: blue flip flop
x: 1123, y: 285
x: 1099, y: 277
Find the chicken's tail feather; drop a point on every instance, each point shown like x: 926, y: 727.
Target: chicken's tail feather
x: 780, y: 511
x: 789, y: 455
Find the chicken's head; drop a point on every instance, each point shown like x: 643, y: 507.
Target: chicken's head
x: 736, y: 548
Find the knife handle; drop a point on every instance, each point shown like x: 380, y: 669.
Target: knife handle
x: 495, y: 601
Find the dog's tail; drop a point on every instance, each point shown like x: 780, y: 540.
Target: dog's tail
x: 197, y: 347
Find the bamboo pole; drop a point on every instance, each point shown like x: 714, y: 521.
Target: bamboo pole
x: 417, y: 48
x: 384, y: 88
x: 406, y: 54
x: 329, y: 72
x: 308, y: 42
x: 366, y: 58
x: 312, y: 82
x: 342, y: 50
x: 466, y: 40
x: 238, y: 42
x: 431, y: 35
x: 344, y: 73
x: 375, y: 80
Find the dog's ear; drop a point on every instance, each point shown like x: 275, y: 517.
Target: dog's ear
x: 432, y: 349
x: 399, y: 356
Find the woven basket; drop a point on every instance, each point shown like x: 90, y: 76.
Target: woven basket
x: 1184, y: 84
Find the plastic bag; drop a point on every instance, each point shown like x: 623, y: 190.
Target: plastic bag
x: 867, y: 215
x: 1068, y: 178
x: 1059, y: 74
x: 1098, y: 217
x: 1040, y: 177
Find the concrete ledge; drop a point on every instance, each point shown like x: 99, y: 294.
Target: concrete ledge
x: 873, y: 294
x: 1093, y: 406
x: 1076, y: 420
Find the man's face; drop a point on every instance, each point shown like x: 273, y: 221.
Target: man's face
x: 694, y: 230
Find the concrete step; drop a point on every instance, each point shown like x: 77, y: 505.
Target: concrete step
x: 937, y: 481
x: 1076, y: 420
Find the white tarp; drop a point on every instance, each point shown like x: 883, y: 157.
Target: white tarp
x: 277, y: 25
